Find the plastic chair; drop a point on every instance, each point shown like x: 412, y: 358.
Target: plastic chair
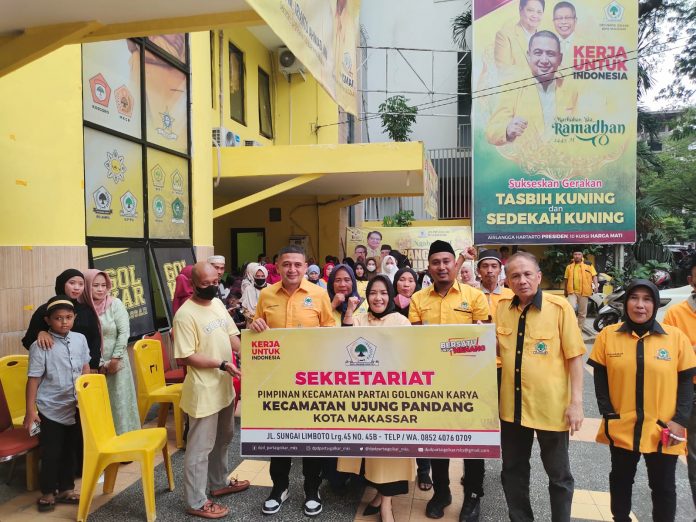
x: 17, y: 442
x: 104, y: 451
x: 171, y: 375
x: 13, y: 376
x: 149, y: 371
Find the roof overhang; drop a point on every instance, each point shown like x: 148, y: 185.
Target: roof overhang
x: 251, y: 174
x: 29, y: 30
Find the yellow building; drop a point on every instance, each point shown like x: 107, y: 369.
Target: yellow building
x: 106, y: 156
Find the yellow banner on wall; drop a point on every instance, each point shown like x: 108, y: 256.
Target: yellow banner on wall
x: 422, y: 391
x: 323, y: 36
x: 413, y: 242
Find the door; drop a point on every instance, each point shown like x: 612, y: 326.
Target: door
x: 247, y: 244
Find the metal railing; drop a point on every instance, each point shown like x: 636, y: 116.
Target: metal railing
x: 453, y: 167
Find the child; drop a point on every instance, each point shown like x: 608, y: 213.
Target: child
x: 51, y: 389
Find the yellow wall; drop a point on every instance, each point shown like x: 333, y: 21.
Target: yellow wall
x: 41, y: 160
x: 311, y: 106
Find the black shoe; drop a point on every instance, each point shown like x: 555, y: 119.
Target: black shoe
x: 312, y: 505
x: 471, y: 510
x: 274, y: 501
x: 436, y: 505
x: 371, y: 510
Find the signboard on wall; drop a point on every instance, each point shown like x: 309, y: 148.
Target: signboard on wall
x: 554, y: 122
x: 169, y: 261
x: 413, y: 242
x: 324, y: 38
x: 113, y: 186
x: 128, y: 270
x: 168, y: 195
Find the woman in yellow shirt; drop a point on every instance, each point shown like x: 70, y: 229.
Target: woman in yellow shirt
x: 642, y: 375
x: 388, y: 476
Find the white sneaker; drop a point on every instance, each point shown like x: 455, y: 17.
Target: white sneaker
x: 272, y: 504
x: 312, y: 505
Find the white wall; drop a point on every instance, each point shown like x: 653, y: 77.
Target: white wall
x: 424, y: 24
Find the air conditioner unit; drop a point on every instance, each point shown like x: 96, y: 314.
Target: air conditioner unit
x: 252, y: 143
x: 225, y: 137
x: 288, y: 62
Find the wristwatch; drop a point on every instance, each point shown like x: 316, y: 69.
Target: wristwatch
x: 223, y: 366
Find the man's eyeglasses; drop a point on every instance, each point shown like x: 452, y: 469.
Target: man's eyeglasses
x: 564, y: 19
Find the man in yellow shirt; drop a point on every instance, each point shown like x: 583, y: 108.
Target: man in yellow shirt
x: 205, y: 337
x: 293, y: 302
x: 541, y: 390
x: 489, y: 266
x: 447, y: 301
x: 579, y: 281
x: 683, y: 316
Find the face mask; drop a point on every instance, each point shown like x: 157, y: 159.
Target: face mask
x: 259, y: 281
x: 371, y: 268
x: 391, y: 269
x: 207, y: 293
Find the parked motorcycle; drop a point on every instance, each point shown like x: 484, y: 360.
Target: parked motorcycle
x: 596, y: 300
x: 661, y: 278
x: 611, y: 311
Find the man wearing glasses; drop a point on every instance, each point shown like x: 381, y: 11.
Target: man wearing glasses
x: 564, y: 21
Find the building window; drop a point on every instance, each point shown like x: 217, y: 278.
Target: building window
x: 265, y: 115
x: 237, y: 85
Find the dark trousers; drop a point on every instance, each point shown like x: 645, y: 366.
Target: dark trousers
x: 311, y: 469
x: 516, y: 444
x: 423, y: 466
x: 474, y: 471
x: 661, y: 469
x: 58, y: 443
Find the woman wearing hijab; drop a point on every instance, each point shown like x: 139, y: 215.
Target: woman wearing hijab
x: 389, y: 476
x: 313, y: 275
x: 389, y: 267
x: 360, y: 272
x: 249, y: 273
x: 250, y: 296
x: 273, y: 275
x: 326, y: 273
x: 71, y: 282
x: 114, y: 363
x: 183, y: 288
x: 466, y: 274
x: 643, y: 381
x: 341, y: 287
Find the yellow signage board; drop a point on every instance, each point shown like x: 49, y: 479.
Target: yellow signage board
x: 323, y: 36
x: 421, y: 391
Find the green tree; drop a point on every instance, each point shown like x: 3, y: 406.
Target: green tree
x: 397, y: 117
x: 361, y: 350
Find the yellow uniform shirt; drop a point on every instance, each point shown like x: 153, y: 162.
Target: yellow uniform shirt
x: 493, y: 298
x: 643, y: 378
x: 535, y: 344
x: 578, y: 278
x: 205, y: 330
x: 683, y: 316
x: 307, y: 307
x: 461, y: 305
x: 361, y: 309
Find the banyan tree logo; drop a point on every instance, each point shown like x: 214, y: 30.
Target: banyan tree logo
x: 361, y: 352
x: 596, y: 132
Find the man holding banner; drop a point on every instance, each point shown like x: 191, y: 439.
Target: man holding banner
x: 293, y: 302
x: 541, y: 350
x: 449, y: 302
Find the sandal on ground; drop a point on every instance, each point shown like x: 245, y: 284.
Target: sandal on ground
x: 209, y: 510
x: 45, y: 505
x: 425, y: 483
x: 68, y: 497
x: 234, y: 486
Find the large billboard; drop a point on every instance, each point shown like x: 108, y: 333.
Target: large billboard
x: 554, y: 116
x: 324, y: 37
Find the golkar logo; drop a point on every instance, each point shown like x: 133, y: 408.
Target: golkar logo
x: 541, y: 348
x: 466, y: 347
x: 361, y: 352
x: 596, y: 132
x: 265, y: 350
x: 614, y: 12
x: 663, y: 355
x: 307, y: 302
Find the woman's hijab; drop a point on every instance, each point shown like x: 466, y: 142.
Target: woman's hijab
x: 325, y: 276
x: 183, y: 288
x: 641, y: 328
x: 102, y: 306
x: 64, y: 277
x: 249, y: 275
x: 390, y: 290
x: 364, y: 276
x: 354, y: 288
x: 259, y: 284
x: 403, y: 301
x: 389, y: 269
x: 250, y: 297
x: 273, y: 275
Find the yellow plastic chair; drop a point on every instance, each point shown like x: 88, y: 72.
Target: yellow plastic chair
x: 105, y: 451
x: 152, y: 389
x: 13, y: 375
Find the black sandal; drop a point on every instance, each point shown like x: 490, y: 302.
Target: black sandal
x: 44, y: 505
x: 425, y: 483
